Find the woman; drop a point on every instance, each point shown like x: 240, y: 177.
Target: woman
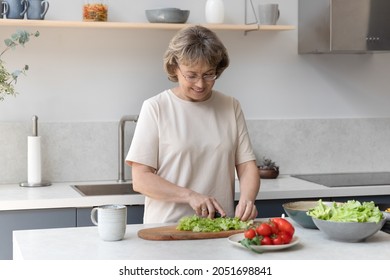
x: 190, y: 139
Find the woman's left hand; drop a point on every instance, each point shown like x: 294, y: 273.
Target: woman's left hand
x: 246, y: 210
x: 248, y: 175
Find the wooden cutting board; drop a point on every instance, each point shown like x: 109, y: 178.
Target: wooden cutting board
x: 171, y: 233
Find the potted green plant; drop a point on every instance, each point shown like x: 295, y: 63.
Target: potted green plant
x: 268, y: 169
x: 7, y: 79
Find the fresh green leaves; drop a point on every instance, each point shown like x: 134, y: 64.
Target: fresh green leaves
x: 351, y: 211
x: 200, y: 224
x: 7, y: 79
x: 20, y: 37
x: 5, y: 86
x: 247, y: 243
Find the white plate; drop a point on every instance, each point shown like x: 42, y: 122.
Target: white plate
x: 239, y: 236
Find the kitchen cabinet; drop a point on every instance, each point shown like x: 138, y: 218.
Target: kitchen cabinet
x: 31, y: 219
x: 135, y: 215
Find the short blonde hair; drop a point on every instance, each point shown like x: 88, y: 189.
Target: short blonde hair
x: 193, y: 45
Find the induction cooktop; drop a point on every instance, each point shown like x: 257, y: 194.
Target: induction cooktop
x: 347, y: 179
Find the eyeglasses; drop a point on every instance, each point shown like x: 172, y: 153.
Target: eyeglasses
x: 193, y: 78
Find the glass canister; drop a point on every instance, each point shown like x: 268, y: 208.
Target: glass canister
x: 95, y: 10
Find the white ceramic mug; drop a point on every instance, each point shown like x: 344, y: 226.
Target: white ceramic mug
x: 269, y: 14
x: 111, y: 221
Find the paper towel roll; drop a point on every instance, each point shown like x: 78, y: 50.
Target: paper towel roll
x: 34, y: 160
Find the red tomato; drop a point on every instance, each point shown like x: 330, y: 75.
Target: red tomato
x: 274, y: 227
x: 285, y: 237
x: 264, y: 229
x: 250, y: 233
x: 277, y: 240
x: 284, y: 225
x: 266, y: 240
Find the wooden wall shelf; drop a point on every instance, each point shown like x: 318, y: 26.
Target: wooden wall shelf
x: 143, y: 25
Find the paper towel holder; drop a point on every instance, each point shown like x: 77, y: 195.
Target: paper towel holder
x: 41, y: 183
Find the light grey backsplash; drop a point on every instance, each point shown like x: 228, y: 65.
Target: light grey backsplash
x: 324, y: 145
x: 88, y: 151
x: 74, y: 151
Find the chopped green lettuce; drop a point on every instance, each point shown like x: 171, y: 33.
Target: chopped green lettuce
x: 350, y: 211
x: 200, y: 224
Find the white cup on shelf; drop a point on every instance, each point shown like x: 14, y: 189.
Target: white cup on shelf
x: 268, y: 14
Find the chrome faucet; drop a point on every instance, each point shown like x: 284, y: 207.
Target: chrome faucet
x: 121, y: 145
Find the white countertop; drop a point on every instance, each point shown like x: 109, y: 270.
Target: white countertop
x: 62, y: 195
x: 84, y: 244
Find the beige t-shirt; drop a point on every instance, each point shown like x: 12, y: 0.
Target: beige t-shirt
x: 195, y: 145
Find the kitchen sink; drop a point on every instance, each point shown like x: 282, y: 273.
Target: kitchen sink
x: 105, y: 189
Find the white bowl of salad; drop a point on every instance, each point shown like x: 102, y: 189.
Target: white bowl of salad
x: 351, y: 221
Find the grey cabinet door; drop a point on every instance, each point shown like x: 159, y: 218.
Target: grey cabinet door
x: 31, y: 219
x: 83, y: 218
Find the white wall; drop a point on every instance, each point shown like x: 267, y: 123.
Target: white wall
x: 100, y: 75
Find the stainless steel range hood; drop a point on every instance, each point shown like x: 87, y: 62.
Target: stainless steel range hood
x: 343, y: 26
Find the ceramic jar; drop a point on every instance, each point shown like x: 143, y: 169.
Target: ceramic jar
x: 215, y: 11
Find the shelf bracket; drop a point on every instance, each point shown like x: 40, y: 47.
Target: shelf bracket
x: 246, y: 16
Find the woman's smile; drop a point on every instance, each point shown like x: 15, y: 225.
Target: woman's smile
x: 195, y: 83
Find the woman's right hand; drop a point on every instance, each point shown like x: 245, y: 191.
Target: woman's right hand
x: 147, y: 182
x: 205, y: 206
